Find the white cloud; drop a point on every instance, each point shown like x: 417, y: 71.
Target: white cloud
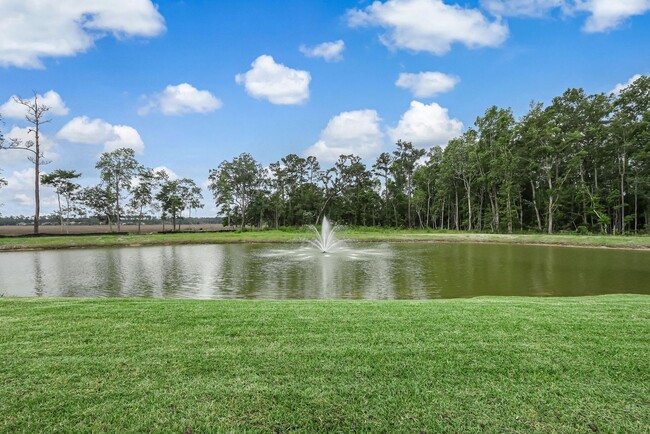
x: 426, y: 125
x: 11, y: 157
x: 181, y: 99
x: 99, y: 132
x: 609, y: 14
x: 531, y: 8
x: 170, y: 173
x: 125, y: 137
x: 604, y: 14
x: 20, y: 188
x: 21, y: 180
x: 427, y: 84
x: 355, y: 132
x: 23, y: 199
x: 51, y: 99
x: 31, y: 30
x: 429, y: 25
x: 84, y: 130
x: 275, y: 82
x: 621, y: 86
x: 330, y: 51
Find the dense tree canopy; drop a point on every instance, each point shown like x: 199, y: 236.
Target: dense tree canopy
x: 580, y: 164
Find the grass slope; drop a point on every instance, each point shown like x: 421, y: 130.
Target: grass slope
x: 297, y: 235
x: 477, y: 365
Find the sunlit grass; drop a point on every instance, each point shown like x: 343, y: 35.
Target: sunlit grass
x: 301, y: 234
x: 478, y: 365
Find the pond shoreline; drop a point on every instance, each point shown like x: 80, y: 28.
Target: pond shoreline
x: 23, y: 244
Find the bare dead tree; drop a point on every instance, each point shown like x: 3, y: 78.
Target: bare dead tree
x: 34, y: 115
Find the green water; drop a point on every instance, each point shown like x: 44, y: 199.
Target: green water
x: 358, y: 271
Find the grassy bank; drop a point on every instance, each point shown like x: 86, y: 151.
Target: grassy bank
x: 478, y: 365
x: 298, y: 235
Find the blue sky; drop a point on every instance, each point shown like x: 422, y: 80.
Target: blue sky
x: 161, y: 76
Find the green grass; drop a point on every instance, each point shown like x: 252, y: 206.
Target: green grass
x: 299, y: 235
x: 475, y: 365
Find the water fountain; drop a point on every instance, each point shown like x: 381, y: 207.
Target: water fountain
x: 325, y: 239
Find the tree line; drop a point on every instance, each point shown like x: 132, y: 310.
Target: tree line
x: 126, y: 188
x: 579, y: 164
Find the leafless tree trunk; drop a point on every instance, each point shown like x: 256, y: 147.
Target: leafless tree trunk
x: 34, y: 115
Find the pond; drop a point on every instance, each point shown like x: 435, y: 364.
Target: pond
x: 357, y: 271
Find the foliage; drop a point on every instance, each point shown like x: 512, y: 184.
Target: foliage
x: 66, y: 189
x: 177, y: 195
x: 100, y: 201
x: 117, y: 170
x: 580, y: 164
x: 235, y: 184
x: 143, y: 192
x: 34, y: 115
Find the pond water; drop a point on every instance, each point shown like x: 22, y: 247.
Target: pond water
x: 357, y: 271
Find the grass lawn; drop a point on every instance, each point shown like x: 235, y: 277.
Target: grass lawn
x: 474, y: 365
x: 299, y: 235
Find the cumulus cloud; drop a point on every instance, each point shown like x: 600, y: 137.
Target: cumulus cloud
x: 23, y: 199
x: 275, y: 82
x: 17, y: 156
x: 181, y: 99
x: 427, y: 84
x: 354, y: 132
x: 13, y: 109
x: 604, y: 14
x: 621, y: 86
x: 531, y: 8
x: 31, y: 30
x: 21, y: 179
x: 609, y: 14
x: 429, y: 25
x: 330, y: 51
x: 20, y: 190
x: 99, y: 132
x: 426, y: 125
x: 170, y: 173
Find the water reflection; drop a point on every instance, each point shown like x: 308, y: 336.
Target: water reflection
x: 355, y: 271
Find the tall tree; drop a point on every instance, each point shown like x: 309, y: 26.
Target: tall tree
x: 405, y: 159
x: 100, y: 201
x: 62, y: 182
x: 177, y: 195
x: 631, y: 140
x: 35, y: 111
x: 494, y: 153
x: 117, y: 169
x: 143, y: 192
x: 277, y: 183
x: 235, y: 183
x: 461, y: 156
x: 381, y: 168
x: 192, y: 196
x: 424, y: 179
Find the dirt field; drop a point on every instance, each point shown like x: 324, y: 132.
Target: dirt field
x: 100, y: 229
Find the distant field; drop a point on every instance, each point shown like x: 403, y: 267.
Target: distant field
x: 100, y: 229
